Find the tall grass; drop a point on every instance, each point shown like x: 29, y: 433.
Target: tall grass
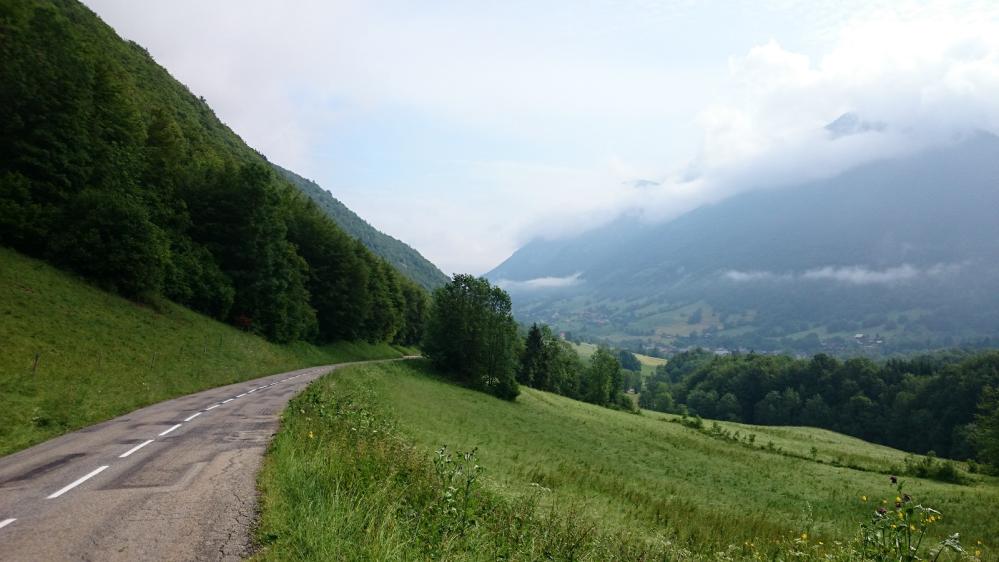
x: 341, y: 484
x: 72, y: 355
x: 630, y: 486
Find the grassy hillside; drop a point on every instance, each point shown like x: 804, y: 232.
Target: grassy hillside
x: 99, y: 355
x: 649, y: 363
x: 408, y: 261
x: 664, y: 487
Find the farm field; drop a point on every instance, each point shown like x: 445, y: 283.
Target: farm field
x: 640, y: 475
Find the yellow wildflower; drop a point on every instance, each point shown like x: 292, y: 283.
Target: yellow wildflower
x: 863, y: 498
x: 804, y: 536
x: 311, y: 435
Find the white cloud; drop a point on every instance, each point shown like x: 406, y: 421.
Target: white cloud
x: 929, y: 76
x: 754, y: 275
x: 541, y: 283
x: 850, y: 275
x: 856, y: 275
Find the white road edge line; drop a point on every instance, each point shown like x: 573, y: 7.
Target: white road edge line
x: 134, y: 449
x: 240, y: 395
x: 227, y: 401
x: 77, y: 482
x: 212, y: 407
x: 6, y: 522
x: 192, y: 416
x: 169, y: 430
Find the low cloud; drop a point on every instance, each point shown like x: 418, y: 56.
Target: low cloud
x: 744, y: 276
x: 856, y: 275
x: 850, y: 275
x: 541, y: 283
x: 904, y: 82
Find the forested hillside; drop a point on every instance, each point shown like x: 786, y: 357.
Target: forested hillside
x: 114, y: 170
x: 408, y: 261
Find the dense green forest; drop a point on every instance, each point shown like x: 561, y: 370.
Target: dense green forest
x: 943, y: 403
x: 408, y: 261
x: 112, y: 169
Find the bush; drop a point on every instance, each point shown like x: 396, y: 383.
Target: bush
x: 107, y: 237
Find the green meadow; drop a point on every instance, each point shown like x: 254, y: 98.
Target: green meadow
x: 643, y: 486
x: 649, y: 363
x: 72, y: 355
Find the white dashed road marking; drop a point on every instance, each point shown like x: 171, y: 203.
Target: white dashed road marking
x: 169, y: 430
x: 77, y: 482
x: 101, y: 469
x: 134, y: 449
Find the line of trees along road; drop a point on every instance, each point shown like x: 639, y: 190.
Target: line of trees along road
x: 112, y: 169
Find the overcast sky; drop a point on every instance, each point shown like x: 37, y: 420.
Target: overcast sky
x: 467, y: 128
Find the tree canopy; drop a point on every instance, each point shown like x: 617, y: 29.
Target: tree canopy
x: 471, y: 335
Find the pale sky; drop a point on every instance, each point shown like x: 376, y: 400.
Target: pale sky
x: 468, y: 128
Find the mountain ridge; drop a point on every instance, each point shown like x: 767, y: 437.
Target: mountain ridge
x: 404, y: 257
x: 912, y: 233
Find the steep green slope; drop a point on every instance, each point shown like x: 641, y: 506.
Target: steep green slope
x: 404, y: 258
x: 114, y: 170
x: 686, y: 493
x: 74, y: 355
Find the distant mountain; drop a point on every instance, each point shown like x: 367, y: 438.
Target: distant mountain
x: 408, y: 261
x: 902, y: 251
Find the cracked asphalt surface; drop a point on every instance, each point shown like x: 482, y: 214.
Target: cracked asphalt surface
x: 189, y: 494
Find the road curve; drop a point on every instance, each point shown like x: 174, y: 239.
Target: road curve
x: 172, y: 481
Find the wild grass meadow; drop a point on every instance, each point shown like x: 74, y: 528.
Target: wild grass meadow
x: 355, y: 472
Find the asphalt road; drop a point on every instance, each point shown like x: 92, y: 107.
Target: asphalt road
x: 172, y: 481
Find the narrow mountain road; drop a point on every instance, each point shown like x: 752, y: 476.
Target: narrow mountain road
x: 172, y: 481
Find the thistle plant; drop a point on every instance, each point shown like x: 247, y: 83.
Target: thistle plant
x: 896, y: 530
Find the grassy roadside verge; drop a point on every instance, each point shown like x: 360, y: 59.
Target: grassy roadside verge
x: 353, y: 474
x: 341, y: 483
x: 72, y: 355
